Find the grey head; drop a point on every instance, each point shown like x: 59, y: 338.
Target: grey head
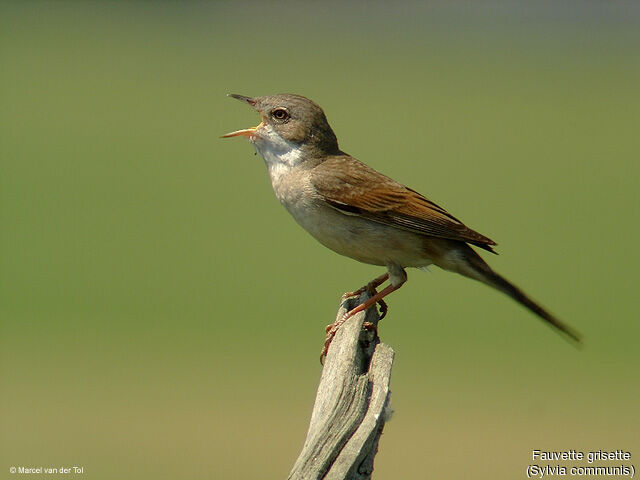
x: 289, y: 121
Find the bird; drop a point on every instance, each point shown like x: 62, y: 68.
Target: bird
x: 363, y: 214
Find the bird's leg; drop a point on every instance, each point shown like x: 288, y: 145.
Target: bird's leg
x: 371, y: 301
x: 371, y: 288
x: 377, y: 298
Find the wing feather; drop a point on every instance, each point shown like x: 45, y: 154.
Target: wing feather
x: 355, y: 188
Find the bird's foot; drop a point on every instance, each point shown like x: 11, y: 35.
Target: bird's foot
x: 384, y: 308
x: 331, y: 330
x: 371, y: 289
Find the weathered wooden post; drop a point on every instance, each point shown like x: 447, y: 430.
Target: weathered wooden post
x: 352, y: 403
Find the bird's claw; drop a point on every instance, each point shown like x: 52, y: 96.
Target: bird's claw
x: 331, y: 331
x: 371, y: 289
x: 384, y: 308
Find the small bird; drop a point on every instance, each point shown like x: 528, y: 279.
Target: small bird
x: 360, y: 213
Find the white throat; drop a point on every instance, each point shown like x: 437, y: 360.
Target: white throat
x: 279, y: 154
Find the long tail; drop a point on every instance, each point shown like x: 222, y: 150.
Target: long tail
x: 473, y: 266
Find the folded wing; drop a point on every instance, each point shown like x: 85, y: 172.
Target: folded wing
x: 357, y: 189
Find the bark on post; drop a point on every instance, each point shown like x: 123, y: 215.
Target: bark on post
x: 352, y: 403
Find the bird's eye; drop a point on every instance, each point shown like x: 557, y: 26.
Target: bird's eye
x: 280, y: 114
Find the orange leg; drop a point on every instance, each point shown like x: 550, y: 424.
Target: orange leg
x: 372, y: 285
x: 371, y: 288
x: 377, y: 298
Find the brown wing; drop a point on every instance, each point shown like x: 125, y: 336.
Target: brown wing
x: 353, y: 187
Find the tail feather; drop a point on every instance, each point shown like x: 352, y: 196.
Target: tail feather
x: 519, y: 296
x: 475, y: 267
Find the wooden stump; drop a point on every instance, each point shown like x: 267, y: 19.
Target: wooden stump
x: 352, y: 403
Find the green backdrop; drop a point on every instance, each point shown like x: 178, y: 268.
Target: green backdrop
x: 161, y: 314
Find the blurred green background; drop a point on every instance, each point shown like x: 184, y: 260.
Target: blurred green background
x: 161, y: 314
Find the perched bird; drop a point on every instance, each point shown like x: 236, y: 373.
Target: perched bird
x: 358, y: 212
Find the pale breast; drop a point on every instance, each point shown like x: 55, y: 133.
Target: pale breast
x: 349, y: 235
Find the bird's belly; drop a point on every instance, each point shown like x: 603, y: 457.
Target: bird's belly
x: 360, y: 239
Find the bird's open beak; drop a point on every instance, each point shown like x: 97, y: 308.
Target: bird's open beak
x: 247, y: 132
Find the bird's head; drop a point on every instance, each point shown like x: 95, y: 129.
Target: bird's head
x: 288, y: 122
